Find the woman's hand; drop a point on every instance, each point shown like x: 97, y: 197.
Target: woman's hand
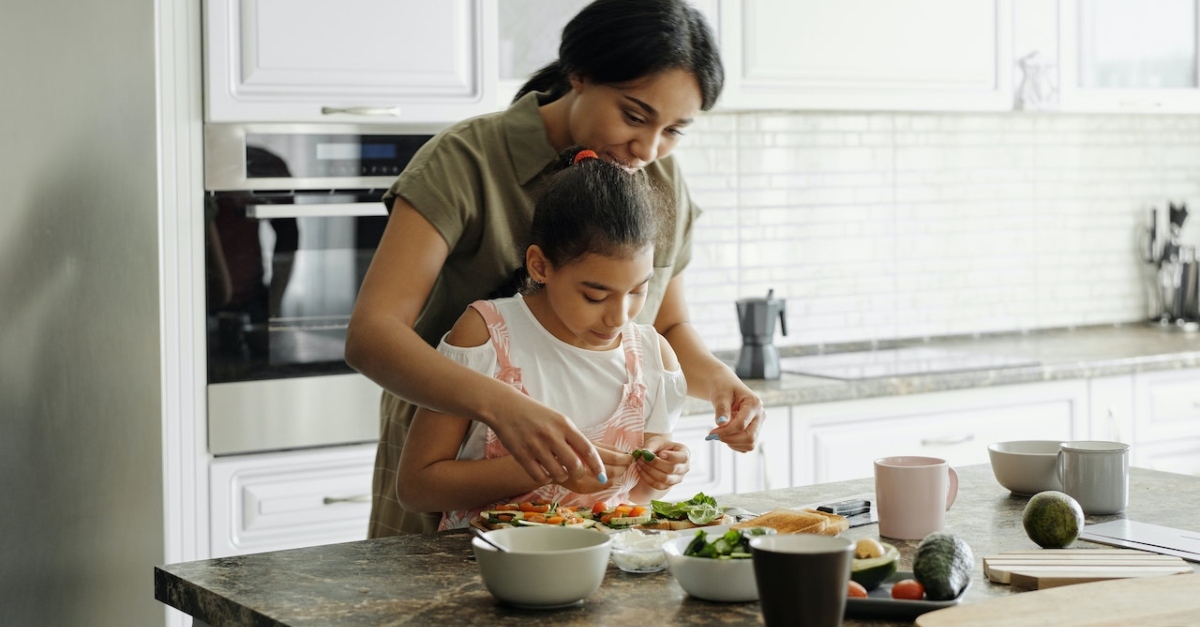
x: 739, y: 412
x: 583, y: 481
x: 548, y: 445
x: 671, y: 462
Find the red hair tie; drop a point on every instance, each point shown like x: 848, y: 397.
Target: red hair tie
x: 584, y: 154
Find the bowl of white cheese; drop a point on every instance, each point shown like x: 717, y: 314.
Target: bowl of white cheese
x: 641, y: 551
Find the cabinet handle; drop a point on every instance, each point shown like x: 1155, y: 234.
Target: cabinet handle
x: 358, y: 498
x: 948, y: 440
x: 376, y: 111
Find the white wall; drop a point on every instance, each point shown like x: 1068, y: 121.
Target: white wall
x: 879, y: 226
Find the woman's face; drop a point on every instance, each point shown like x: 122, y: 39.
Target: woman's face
x: 587, y: 302
x: 636, y: 123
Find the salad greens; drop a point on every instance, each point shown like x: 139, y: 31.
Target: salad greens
x: 733, y: 544
x: 700, y: 509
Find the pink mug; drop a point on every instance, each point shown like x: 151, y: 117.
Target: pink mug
x: 912, y: 495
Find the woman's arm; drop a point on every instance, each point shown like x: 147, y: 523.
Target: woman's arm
x: 739, y: 411
x: 382, y: 344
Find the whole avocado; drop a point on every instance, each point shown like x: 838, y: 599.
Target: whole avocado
x: 943, y: 564
x: 1052, y: 519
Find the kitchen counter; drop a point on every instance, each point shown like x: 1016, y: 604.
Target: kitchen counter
x: 1059, y: 354
x: 433, y: 579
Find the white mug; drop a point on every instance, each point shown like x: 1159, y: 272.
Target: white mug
x: 1096, y: 474
x: 912, y: 495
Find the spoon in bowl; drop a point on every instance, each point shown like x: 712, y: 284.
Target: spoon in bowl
x: 483, y: 536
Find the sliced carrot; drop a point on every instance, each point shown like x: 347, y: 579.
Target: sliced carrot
x: 555, y: 520
x: 637, y: 510
x: 508, y: 507
x: 605, y: 518
x: 526, y: 506
x: 623, y: 509
x: 538, y: 518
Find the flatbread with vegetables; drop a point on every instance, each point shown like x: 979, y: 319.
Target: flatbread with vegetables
x: 699, y: 511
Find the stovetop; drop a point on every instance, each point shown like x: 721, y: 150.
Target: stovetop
x: 896, y: 362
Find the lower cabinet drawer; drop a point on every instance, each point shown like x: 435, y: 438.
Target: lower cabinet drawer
x: 289, y: 500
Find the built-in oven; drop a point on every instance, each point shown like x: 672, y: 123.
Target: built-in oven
x: 293, y: 215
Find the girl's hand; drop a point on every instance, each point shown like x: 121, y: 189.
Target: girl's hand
x: 585, y: 482
x: 739, y: 413
x: 671, y: 462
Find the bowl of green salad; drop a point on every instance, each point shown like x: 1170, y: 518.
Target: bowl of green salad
x: 714, y: 563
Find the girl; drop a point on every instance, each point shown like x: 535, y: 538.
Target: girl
x: 631, y: 76
x: 570, y: 342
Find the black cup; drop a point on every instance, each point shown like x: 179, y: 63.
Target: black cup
x: 802, y: 578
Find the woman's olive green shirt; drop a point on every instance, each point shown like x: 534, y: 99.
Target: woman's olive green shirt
x: 476, y: 183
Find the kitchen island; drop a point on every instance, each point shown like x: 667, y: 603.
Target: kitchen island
x: 433, y: 579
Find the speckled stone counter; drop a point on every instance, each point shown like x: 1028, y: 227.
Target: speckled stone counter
x: 1060, y: 354
x: 432, y: 580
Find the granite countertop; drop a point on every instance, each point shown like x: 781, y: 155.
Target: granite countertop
x: 432, y: 579
x: 1060, y: 354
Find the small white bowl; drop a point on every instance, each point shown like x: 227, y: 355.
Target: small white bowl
x: 545, y: 567
x: 730, y: 581
x: 641, y: 551
x: 1026, y: 467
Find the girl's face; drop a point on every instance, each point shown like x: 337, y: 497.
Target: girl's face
x: 587, y: 302
x: 636, y: 123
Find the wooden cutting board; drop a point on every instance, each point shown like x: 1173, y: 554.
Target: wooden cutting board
x: 1144, y: 602
x: 1050, y: 568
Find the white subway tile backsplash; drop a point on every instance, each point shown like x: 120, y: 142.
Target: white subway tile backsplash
x: 880, y: 226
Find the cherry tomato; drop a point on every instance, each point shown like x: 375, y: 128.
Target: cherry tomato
x: 909, y: 589
x: 856, y: 590
x: 598, y: 508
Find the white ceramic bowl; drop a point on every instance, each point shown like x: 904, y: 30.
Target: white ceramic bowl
x: 545, y: 567
x: 710, y: 579
x: 1026, y: 467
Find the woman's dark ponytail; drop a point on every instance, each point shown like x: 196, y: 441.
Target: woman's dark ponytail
x: 550, y: 80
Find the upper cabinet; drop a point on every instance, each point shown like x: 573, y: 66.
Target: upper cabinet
x: 933, y: 55
x: 1129, y: 55
x: 393, y: 61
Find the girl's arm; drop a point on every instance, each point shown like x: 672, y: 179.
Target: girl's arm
x: 434, y: 481
x: 382, y: 344
x: 739, y: 411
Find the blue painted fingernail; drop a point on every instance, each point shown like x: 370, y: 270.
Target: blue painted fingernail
x: 722, y: 419
x: 712, y: 436
x: 602, y: 477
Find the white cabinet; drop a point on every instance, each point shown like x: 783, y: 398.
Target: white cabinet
x: 288, y: 500
x: 1129, y: 56
x: 395, y: 61
x: 838, y: 441
x: 867, y: 54
x: 712, y: 463
x: 1166, y: 432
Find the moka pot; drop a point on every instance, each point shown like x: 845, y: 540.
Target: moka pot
x: 758, y: 358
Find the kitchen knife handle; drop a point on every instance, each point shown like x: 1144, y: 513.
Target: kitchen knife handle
x: 393, y: 112
x: 358, y: 498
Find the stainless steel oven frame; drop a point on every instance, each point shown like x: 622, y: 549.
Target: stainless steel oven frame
x: 293, y: 412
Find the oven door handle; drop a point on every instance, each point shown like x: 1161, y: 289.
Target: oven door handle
x: 330, y: 210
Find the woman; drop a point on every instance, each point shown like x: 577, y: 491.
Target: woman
x: 631, y: 76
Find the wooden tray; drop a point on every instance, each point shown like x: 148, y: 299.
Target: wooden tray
x: 1049, y: 568
x: 1145, y: 602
